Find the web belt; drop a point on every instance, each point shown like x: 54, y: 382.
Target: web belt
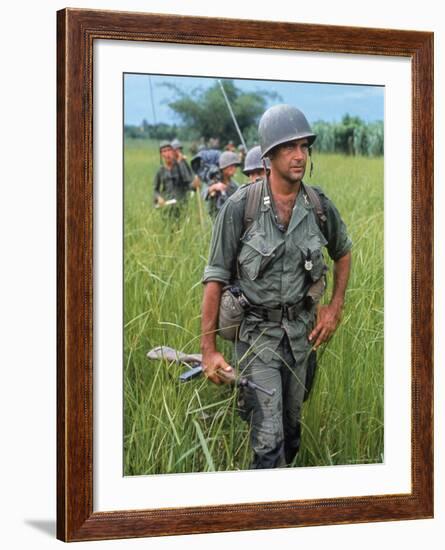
x: 276, y: 315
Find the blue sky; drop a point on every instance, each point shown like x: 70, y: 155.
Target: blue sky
x: 146, y: 97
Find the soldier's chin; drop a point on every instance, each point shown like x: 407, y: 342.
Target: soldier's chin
x: 294, y: 178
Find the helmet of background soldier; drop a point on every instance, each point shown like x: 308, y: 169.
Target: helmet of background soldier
x: 254, y: 161
x: 228, y: 158
x: 164, y: 144
x: 283, y: 123
x: 176, y: 144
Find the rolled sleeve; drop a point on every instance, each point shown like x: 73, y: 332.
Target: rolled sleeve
x: 214, y: 273
x: 157, y: 186
x: 224, y: 245
x: 335, y: 231
x: 186, y: 173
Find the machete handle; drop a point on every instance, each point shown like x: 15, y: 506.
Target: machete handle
x: 226, y: 376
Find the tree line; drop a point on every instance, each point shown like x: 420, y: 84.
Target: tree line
x: 204, y: 115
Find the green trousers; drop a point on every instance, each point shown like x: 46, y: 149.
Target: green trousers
x: 275, y: 420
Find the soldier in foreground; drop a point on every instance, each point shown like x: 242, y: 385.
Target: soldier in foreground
x: 172, y: 181
x: 272, y: 260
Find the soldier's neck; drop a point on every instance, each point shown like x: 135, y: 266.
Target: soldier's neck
x: 282, y: 187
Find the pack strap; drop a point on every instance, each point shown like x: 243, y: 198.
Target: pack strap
x: 253, y: 199
x: 314, y: 199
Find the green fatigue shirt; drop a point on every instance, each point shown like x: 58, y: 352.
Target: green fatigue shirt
x: 173, y: 183
x: 186, y: 169
x: 268, y: 264
x: 216, y: 201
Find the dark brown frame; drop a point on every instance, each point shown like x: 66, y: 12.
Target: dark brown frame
x: 76, y: 32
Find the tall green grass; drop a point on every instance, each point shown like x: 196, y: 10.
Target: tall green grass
x: 194, y: 427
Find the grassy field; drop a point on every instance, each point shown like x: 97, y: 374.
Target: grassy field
x: 194, y: 427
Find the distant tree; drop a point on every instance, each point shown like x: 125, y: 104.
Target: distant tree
x: 325, y: 136
x: 375, y: 139
x: 344, y: 134
x: 351, y: 136
x: 205, y: 112
x: 159, y: 131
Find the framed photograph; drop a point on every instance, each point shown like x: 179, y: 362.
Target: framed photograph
x: 141, y: 454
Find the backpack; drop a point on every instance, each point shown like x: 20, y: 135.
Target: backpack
x: 205, y: 163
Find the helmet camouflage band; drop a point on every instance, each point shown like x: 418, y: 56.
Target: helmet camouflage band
x: 228, y: 158
x: 280, y: 124
x: 254, y: 161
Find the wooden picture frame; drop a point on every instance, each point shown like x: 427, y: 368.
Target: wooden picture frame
x: 77, y: 31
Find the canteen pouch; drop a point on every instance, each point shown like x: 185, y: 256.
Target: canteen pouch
x: 231, y: 312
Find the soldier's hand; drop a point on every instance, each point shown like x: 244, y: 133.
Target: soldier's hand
x: 328, y: 319
x: 160, y: 201
x: 211, y: 363
x: 217, y: 187
x: 196, y: 183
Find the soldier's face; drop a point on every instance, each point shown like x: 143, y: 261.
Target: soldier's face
x: 168, y: 154
x: 255, y: 174
x: 230, y: 171
x: 289, y: 160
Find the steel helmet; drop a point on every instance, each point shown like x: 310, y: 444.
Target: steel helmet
x: 164, y: 144
x: 254, y: 161
x: 176, y: 144
x: 280, y: 124
x: 228, y: 158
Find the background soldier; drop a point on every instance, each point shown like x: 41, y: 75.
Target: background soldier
x: 274, y: 263
x: 222, y: 186
x: 181, y: 159
x: 242, y: 153
x: 230, y: 147
x: 173, y: 180
x: 254, y: 166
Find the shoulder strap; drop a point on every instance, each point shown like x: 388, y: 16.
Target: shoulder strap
x: 253, y: 200
x: 251, y: 209
x: 315, y: 200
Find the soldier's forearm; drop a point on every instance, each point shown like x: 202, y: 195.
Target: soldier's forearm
x: 342, y: 268
x: 209, y: 319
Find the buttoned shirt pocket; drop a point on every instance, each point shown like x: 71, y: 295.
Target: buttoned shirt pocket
x: 255, y: 254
